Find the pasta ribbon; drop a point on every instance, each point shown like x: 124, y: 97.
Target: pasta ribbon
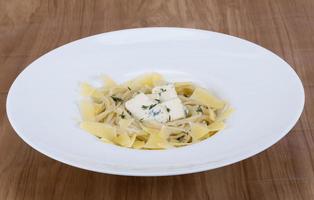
x: 99, y: 129
x: 204, y: 97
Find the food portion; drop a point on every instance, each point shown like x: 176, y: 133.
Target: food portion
x: 150, y: 113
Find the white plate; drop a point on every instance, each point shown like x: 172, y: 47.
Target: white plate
x: 265, y: 91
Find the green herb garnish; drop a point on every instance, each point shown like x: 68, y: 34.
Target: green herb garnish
x: 168, y: 109
x: 163, y: 90
x: 122, y: 115
x: 158, y: 101
x: 199, y: 109
x: 129, y: 88
x: 151, y: 106
x: 116, y: 99
x: 181, y: 138
x: 144, y: 107
x: 129, y: 112
x: 186, y: 112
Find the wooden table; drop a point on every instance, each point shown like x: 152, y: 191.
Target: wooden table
x: 30, y: 28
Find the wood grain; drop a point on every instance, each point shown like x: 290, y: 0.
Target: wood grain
x: 31, y: 28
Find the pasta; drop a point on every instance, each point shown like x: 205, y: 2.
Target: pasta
x: 150, y: 113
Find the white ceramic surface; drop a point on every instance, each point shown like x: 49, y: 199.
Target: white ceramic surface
x: 265, y: 91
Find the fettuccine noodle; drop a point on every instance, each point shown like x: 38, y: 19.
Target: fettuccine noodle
x: 104, y: 114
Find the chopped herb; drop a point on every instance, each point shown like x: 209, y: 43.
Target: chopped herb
x: 186, y: 112
x: 129, y: 112
x: 144, y: 107
x: 168, y: 109
x: 141, y: 119
x: 151, y: 106
x: 199, y: 109
x: 129, y: 88
x: 158, y: 101
x: 181, y: 138
x: 163, y: 90
x: 159, y: 94
x: 169, y: 119
x: 122, y: 115
x: 116, y: 99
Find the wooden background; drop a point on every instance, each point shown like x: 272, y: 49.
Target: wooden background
x: 30, y: 28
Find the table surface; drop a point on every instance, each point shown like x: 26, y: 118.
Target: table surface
x: 31, y: 28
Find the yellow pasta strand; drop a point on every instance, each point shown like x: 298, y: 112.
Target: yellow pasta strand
x: 150, y: 130
x: 108, y: 82
x: 106, y: 140
x: 155, y: 141
x: 138, y: 144
x: 216, y: 126
x: 225, y: 114
x: 164, y: 132
x: 124, y: 140
x: 203, y: 96
x: 87, y: 110
x: 125, y: 123
x: 212, y: 114
x: 99, y: 129
x: 88, y: 90
x: 198, y: 130
x: 148, y: 80
x: 98, y: 108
